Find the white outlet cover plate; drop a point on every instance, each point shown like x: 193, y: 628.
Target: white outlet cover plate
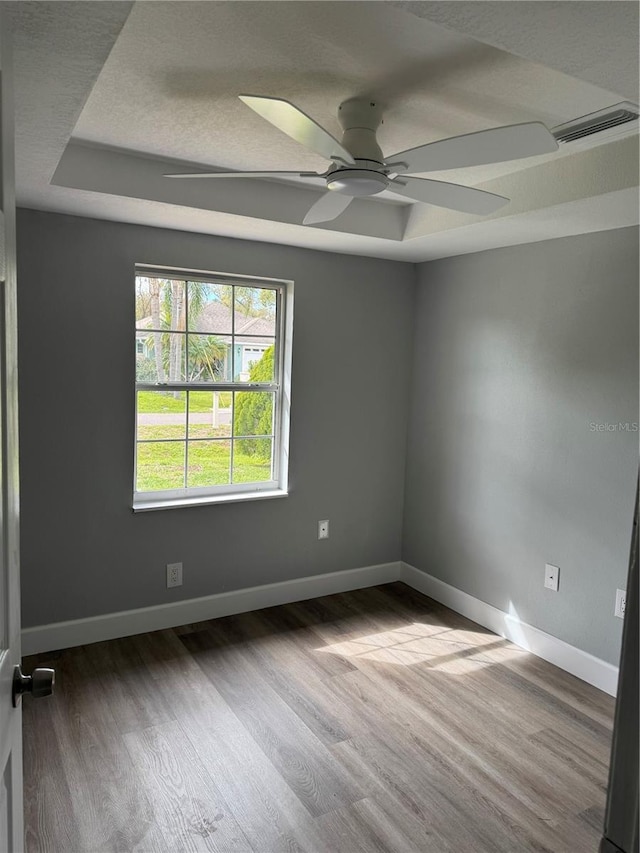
x: 323, y: 529
x: 551, y: 577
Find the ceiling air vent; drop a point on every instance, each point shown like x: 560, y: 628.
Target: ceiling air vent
x: 596, y: 122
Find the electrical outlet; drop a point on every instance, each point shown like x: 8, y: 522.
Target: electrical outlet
x: 621, y: 603
x: 174, y: 574
x: 323, y: 529
x: 551, y: 577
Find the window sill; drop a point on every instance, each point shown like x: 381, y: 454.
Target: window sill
x: 205, y: 500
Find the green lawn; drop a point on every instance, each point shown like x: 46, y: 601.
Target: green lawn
x: 161, y: 464
x: 159, y: 431
x: 174, y: 401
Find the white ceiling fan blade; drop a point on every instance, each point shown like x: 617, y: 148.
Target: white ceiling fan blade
x: 477, y: 149
x: 299, y: 126
x: 328, y: 207
x: 452, y: 196
x: 245, y: 175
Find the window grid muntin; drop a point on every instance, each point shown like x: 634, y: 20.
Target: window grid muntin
x: 275, y: 387
x: 231, y: 440
x: 185, y: 471
x: 259, y: 389
x: 168, y: 274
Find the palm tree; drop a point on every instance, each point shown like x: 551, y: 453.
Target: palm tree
x: 177, y: 311
x: 155, y: 288
x: 170, y: 301
x: 206, y: 355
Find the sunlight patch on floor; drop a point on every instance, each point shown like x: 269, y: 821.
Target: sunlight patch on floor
x: 455, y: 652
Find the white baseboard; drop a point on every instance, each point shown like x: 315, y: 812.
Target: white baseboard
x: 78, y: 632
x: 589, y: 668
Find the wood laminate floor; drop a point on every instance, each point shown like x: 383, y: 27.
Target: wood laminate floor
x: 374, y: 721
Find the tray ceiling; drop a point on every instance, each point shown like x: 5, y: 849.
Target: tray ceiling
x: 111, y: 95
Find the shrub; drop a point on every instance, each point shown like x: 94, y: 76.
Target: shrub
x: 253, y: 411
x: 146, y: 370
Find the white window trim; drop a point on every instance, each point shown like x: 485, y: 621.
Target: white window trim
x: 233, y: 493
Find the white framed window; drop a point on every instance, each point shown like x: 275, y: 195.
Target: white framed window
x: 213, y: 367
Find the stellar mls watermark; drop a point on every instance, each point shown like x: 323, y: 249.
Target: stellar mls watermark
x: 621, y: 426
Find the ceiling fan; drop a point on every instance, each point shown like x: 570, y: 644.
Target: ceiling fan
x: 359, y: 168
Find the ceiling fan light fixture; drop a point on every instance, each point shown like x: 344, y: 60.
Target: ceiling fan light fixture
x: 357, y: 182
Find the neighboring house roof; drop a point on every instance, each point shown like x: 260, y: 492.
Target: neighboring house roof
x: 215, y: 319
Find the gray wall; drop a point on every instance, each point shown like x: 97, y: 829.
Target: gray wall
x: 84, y: 552
x: 517, y: 352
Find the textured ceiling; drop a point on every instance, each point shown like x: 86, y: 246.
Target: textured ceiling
x: 154, y: 84
x: 59, y: 51
x: 436, y: 83
x: 584, y: 40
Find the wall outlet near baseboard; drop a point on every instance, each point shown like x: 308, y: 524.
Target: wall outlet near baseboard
x: 323, y: 529
x: 621, y: 603
x: 174, y: 574
x: 551, y: 577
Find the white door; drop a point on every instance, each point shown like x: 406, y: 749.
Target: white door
x: 11, y: 817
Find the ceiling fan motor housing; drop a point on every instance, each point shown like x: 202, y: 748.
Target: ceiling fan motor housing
x: 359, y: 119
